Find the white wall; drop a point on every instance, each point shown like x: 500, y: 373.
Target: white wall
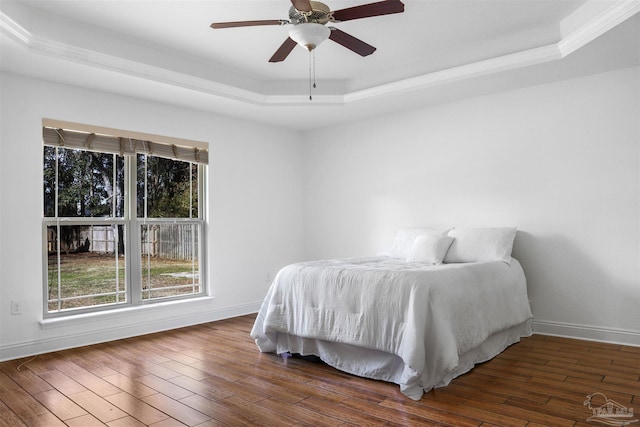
x: 560, y: 161
x: 255, y: 210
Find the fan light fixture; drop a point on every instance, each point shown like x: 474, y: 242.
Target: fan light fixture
x: 309, y: 35
x: 309, y: 30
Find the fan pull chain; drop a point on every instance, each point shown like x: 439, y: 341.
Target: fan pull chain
x: 314, y: 68
x: 312, y: 72
x: 310, y: 78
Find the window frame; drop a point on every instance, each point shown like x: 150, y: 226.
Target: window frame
x: 132, y: 227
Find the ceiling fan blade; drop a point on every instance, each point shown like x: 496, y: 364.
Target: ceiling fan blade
x: 385, y: 7
x: 219, y: 25
x: 302, y: 5
x: 350, y: 42
x: 283, y: 51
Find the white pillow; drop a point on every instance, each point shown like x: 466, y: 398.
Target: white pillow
x: 481, y: 244
x: 429, y: 249
x: 405, y: 238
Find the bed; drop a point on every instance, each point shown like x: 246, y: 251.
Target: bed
x: 397, y: 318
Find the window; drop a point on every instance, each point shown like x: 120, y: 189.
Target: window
x: 123, y: 218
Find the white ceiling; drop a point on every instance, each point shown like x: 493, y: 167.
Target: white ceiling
x: 437, y: 50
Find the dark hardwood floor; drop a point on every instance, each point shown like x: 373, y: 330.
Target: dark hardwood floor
x: 212, y: 374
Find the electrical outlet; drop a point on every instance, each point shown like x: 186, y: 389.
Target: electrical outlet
x: 268, y: 279
x: 16, y: 307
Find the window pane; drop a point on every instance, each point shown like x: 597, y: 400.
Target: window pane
x: 89, y: 184
x: 169, y: 188
x: 85, y: 266
x: 49, y: 181
x: 169, y: 260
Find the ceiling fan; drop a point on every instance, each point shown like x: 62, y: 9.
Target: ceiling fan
x: 309, y: 19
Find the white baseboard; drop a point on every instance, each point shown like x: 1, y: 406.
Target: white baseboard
x: 57, y: 343
x: 587, y: 332
x: 30, y: 348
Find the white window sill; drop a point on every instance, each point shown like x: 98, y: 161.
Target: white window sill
x: 119, y: 313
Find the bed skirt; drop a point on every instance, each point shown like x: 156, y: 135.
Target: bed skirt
x: 388, y: 367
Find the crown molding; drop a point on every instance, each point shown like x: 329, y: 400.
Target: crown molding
x: 463, y: 72
x: 616, y: 14
x: 63, y: 51
x: 598, y: 25
x: 13, y: 29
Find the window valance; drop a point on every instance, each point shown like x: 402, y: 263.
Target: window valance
x: 105, y: 140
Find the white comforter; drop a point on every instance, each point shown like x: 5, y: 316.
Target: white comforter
x: 426, y: 316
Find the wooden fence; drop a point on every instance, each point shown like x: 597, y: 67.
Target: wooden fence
x: 101, y: 239
x: 171, y: 241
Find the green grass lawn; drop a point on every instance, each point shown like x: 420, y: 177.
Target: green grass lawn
x: 90, y: 274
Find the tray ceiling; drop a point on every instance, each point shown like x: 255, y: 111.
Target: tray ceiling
x: 432, y: 46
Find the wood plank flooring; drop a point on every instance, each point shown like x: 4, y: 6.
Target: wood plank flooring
x: 212, y: 374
